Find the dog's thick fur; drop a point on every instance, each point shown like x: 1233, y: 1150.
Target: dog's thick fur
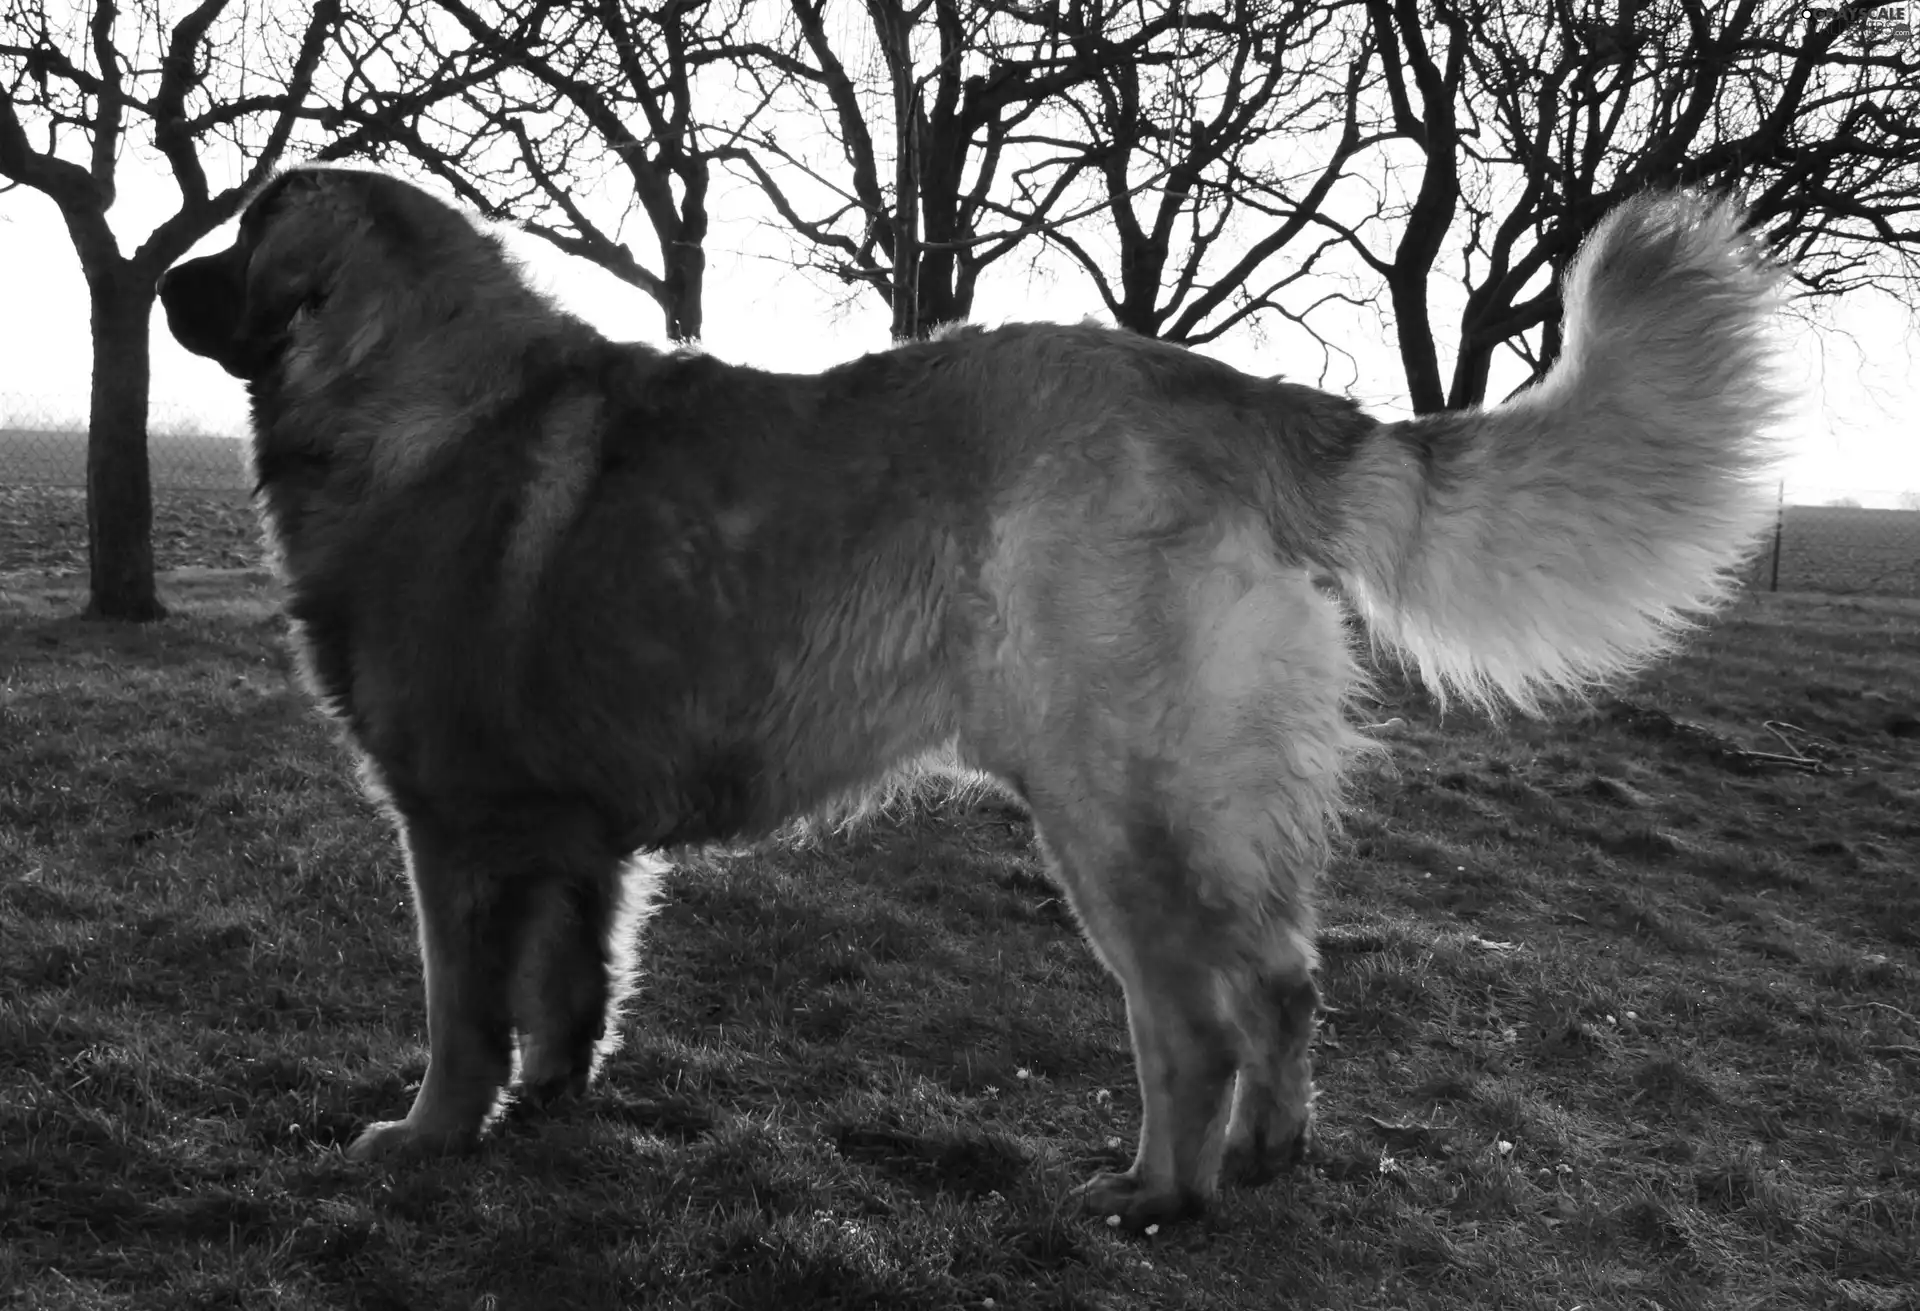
x: 575, y: 601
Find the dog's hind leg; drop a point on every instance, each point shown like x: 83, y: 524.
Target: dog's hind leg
x: 1175, y: 717
x: 1209, y: 922
x: 1259, y: 753
x: 1134, y: 900
x: 1271, y: 1126
x: 1220, y: 1002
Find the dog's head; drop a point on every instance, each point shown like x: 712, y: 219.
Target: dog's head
x: 328, y: 263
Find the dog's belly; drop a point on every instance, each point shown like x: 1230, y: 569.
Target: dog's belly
x: 716, y: 737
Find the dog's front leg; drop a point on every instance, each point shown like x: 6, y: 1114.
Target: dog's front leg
x: 465, y: 902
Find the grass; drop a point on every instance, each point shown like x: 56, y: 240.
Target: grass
x: 1612, y: 1022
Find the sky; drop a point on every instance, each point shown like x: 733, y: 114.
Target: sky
x: 1856, y: 435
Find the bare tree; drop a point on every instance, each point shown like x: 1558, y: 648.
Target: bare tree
x: 893, y: 129
x: 1194, y: 210
x: 878, y: 133
x: 1532, y: 120
x: 216, y: 91
x: 906, y: 145
x: 594, y: 97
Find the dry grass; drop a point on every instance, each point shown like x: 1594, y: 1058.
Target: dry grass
x: 1613, y: 1023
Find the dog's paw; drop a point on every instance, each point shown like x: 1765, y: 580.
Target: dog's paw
x: 1122, y: 1199
x: 1259, y: 1158
x: 543, y: 1096
x: 401, y: 1140
x: 549, y: 1075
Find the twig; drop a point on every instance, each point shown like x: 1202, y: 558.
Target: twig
x: 1884, y: 1006
x: 1814, y: 747
x: 1718, y: 748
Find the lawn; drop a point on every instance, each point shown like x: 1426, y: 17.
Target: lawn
x: 1619, y: 1015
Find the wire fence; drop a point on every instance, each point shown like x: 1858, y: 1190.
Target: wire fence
x: 203, y: 515
x: 1842, y: 541
x: 44, y: 446
x: 1837, y: 540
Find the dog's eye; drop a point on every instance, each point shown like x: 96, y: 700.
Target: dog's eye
x: 310, y: 305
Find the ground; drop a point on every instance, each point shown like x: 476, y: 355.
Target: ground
x: 1623, y: 1010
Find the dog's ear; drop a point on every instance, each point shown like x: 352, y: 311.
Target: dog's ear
x: 235, y: 307
x: 285, y: 192
x: 294, y: 250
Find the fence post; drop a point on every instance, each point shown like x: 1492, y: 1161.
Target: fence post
x: 1779, y: 524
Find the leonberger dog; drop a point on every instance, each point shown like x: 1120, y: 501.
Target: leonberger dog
x: 576, y: 601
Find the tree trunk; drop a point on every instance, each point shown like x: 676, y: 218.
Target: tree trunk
x: 119, y: 489
x: 942, y: 297
x: 683, y: 257
x: 1418, y: 356
x: 685, y: 265
x: 941, y: 292
x: 1472, y: 367
x: 894, y: 27
x: 1143, y: 264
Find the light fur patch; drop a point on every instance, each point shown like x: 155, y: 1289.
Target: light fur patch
x: 564, y: 460
x: 1266, y: 746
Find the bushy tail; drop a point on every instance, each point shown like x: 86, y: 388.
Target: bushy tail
x: 1568, y: 534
